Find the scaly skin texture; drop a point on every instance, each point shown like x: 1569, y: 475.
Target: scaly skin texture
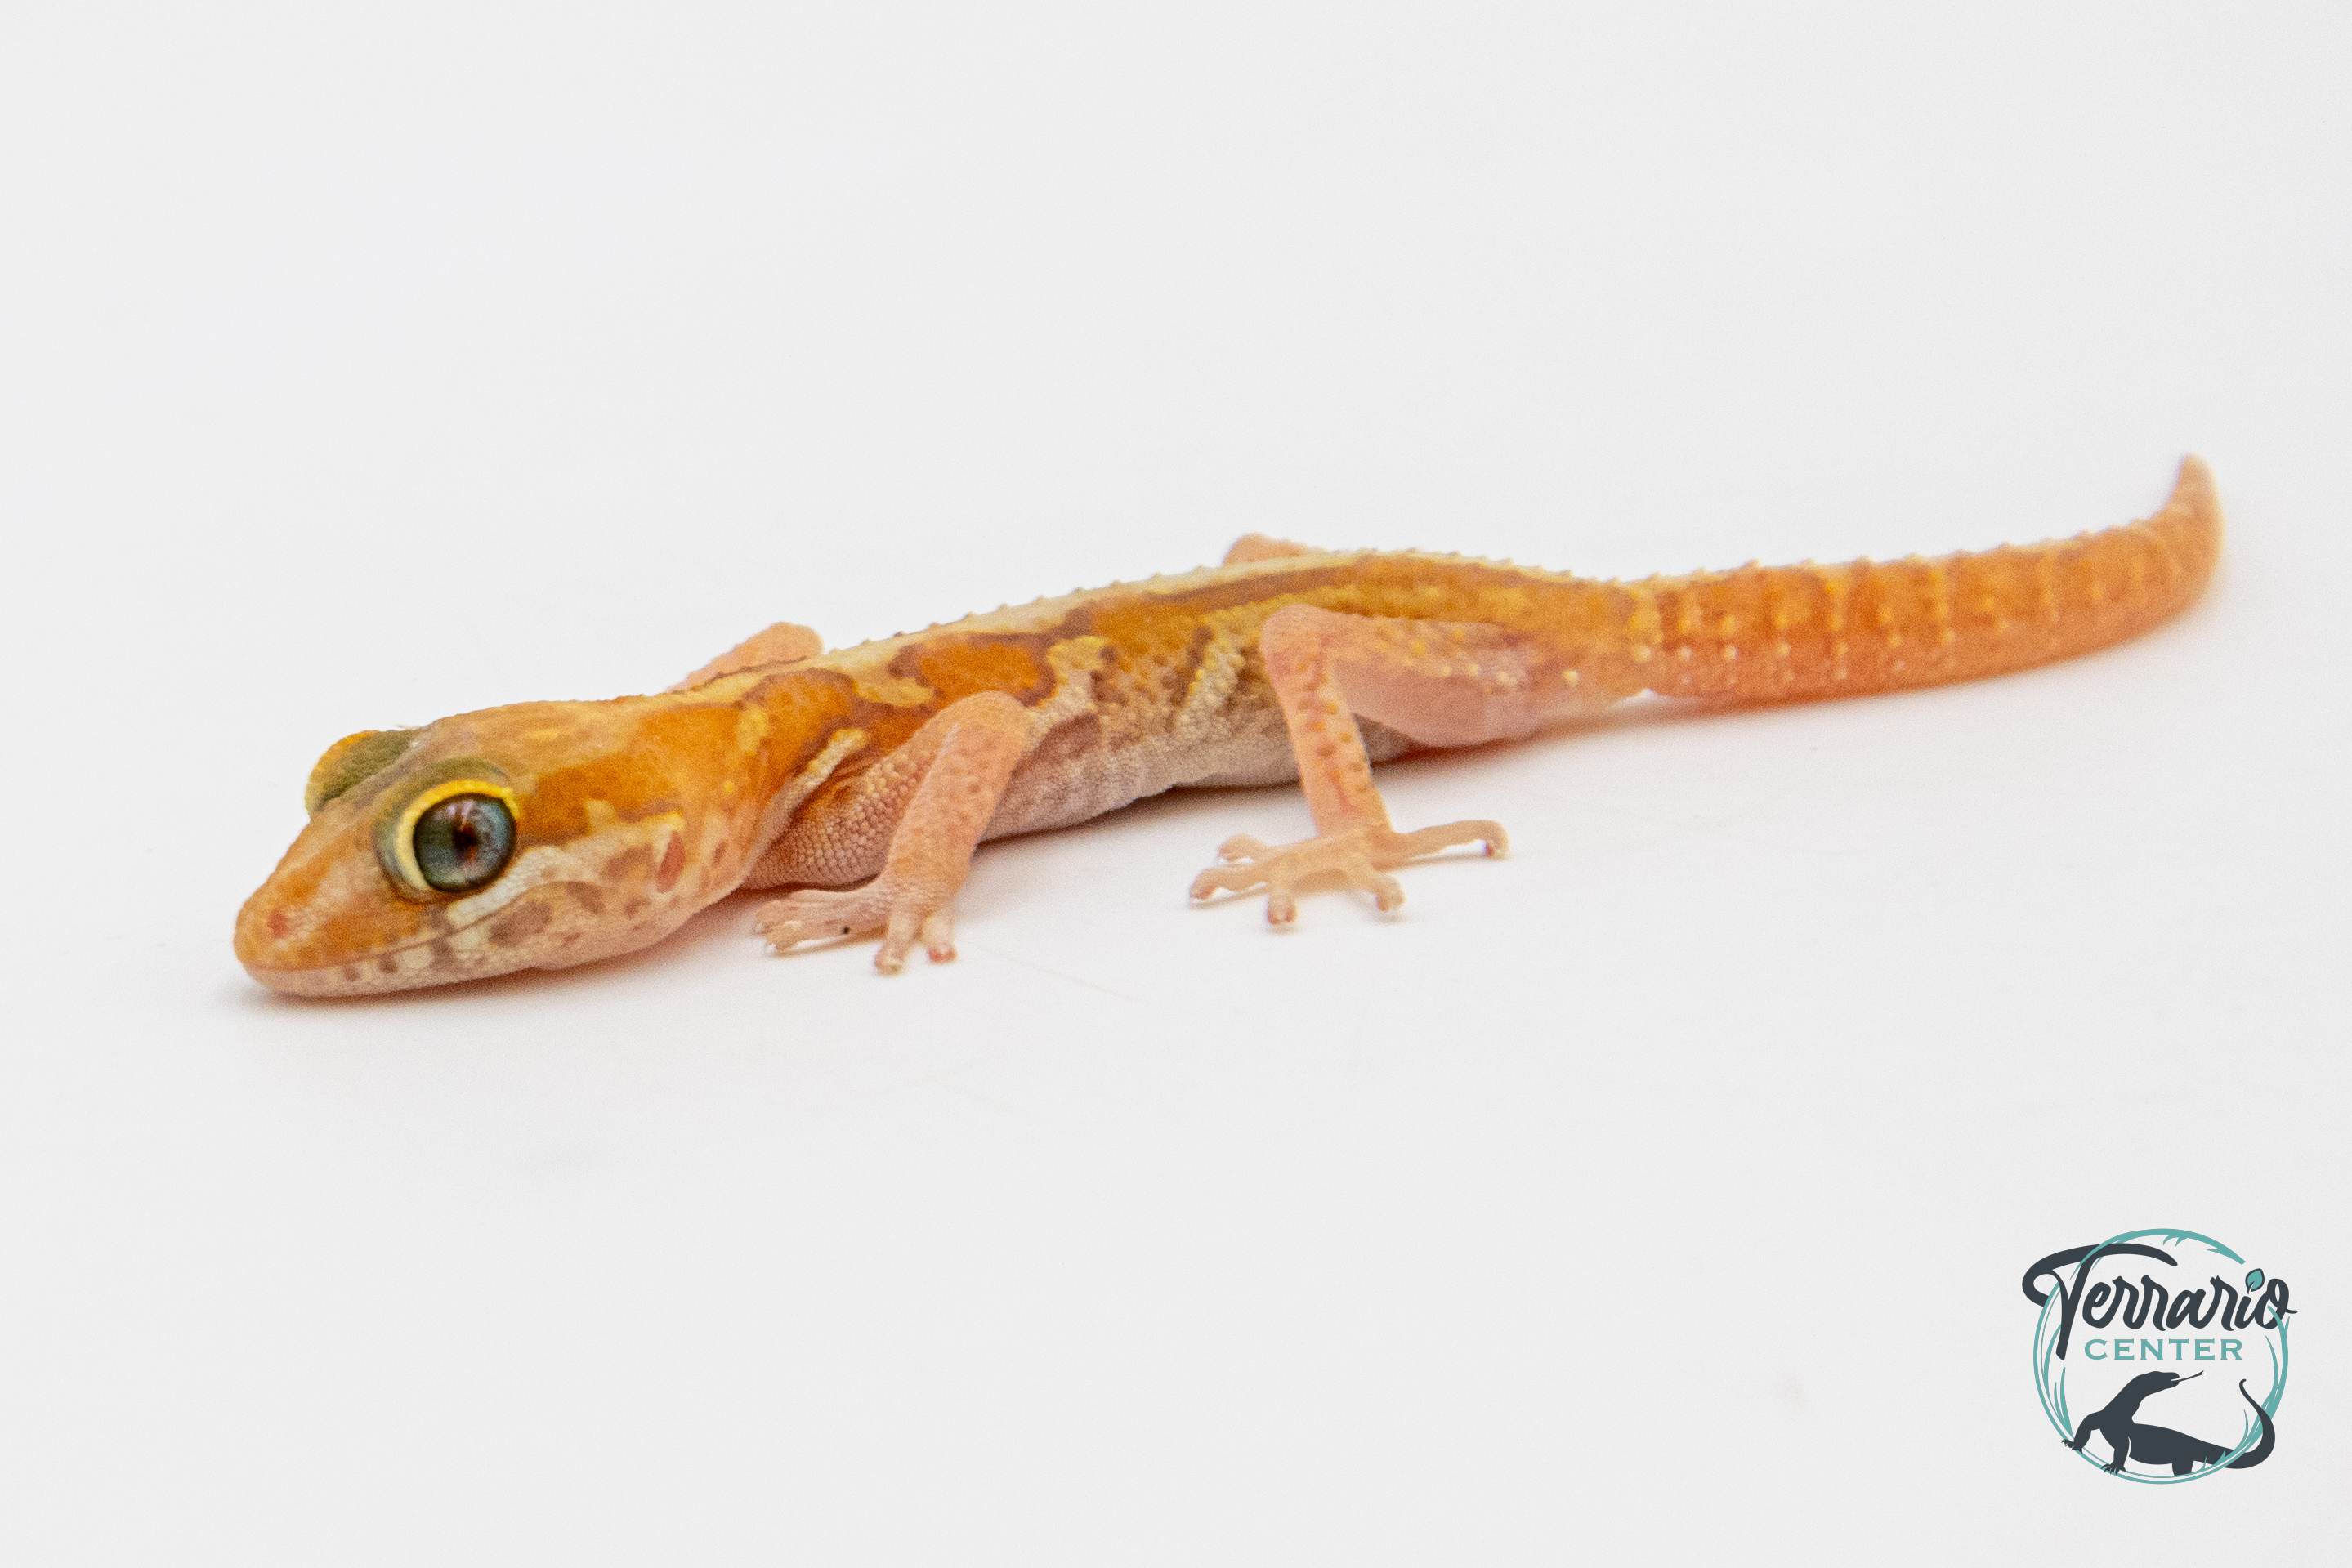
x: 778, y: 764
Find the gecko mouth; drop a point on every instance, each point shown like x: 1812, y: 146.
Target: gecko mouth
x: 550, y: 905
x: 535, y: 930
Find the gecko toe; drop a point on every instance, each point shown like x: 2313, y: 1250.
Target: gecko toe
x: 815, y: 914
x: 1241, y: 847
x: 938, y: 937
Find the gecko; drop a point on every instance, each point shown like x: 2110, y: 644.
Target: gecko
x: 544, y: 834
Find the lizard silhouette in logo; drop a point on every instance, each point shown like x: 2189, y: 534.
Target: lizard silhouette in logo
x: 2155, y: 1446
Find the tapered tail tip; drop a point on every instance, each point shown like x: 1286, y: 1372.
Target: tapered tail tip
x: 2193, y: 490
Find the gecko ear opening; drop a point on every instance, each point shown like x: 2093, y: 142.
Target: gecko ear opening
x: 350, y: 759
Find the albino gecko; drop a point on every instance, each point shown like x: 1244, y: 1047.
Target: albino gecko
x: 551, y: 833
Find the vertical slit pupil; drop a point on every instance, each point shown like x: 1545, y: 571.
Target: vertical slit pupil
x: 465, y: 833
x: 464, y: 841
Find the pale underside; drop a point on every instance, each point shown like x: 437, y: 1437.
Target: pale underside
x: 1077, y: 788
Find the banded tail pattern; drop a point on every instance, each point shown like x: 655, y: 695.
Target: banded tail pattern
x: 1781, y: 633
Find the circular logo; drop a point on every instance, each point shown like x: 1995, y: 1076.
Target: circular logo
x: 2161, y: 1355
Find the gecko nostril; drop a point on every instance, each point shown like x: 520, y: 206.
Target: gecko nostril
x: 278, y: 924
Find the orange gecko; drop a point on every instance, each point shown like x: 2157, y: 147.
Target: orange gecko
x: 551, y: 833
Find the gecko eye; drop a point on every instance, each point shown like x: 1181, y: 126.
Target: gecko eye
x: 463, y: 841
x: 451, y: 836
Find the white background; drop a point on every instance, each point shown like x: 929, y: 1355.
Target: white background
x: 1660, y: 1192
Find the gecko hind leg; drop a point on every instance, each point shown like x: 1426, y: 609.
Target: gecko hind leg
x: 1440, y: 683
x: 967, y: 755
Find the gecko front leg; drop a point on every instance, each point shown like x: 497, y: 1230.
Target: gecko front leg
x: 1440, y: 683
x: 967, y: 754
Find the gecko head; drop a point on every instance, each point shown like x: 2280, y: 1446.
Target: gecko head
x: 525, y: 837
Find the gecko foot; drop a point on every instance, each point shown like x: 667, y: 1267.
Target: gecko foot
x: 1358, y: 854
x: 817, y: 913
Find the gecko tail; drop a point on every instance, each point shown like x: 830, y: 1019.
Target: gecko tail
x: 1791, y: 633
